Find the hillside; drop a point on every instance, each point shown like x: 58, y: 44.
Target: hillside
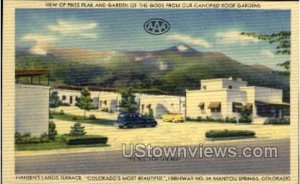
x: 172, y: 70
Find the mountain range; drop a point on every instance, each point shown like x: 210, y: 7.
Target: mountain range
x: 172, y: 70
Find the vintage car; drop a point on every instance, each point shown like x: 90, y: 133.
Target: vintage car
x: 173, y: 117
x: 130, y: 120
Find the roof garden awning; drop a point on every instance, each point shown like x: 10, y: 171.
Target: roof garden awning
x: 249, y: 105
x: 31, y: 73
x: 237, y: 105
x: 214, y: 105
x: 201, y: 104
x: 273, y: 103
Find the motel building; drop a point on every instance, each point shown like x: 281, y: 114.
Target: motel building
x: 32, y: 102
x: 225, y: 97
x: 217, y: 99
x: 160, y: 104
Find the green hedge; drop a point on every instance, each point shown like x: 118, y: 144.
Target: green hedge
x: 279, y: 121
x: 210, y: 119
x: 245, y: 120
x: 28, y: 139
x: 226, y: 120
x: 228, y: 133
x: 86, y: 139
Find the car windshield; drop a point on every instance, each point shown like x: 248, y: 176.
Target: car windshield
x: 129, y: 116
x: 122, y: 116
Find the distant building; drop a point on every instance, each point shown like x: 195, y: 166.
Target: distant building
x: 225, y: 97
x: 217, y: 98
x: 32, y: 102
x: 160, y: 104
x: 101, y: 99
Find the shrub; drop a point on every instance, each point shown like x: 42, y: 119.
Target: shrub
x: 189, y: 119
x: 219, y: 120
x: 199, y: 118
x: 208, y: 118
x: 92, y: 117
x: 52, y: 131
x: 279, y: 121
x: 77, y: 130
x: 228, y: 133
x: 62, y: 112
x: 51, y: 115
x: 105, y: 109
x: 27, y: 139
x: 74, y: 118
x: 87, y: 139
x: 245, y: 120
x: 230, y: 120
x: 18, y: 137
x: 44, y: 137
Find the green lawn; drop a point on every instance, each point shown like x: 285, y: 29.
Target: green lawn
x: 58, y: 144
x: 69, y: 117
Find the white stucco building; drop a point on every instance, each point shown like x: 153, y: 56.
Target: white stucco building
x: 224, y: 97
x: 71, y: 97
x: 160, y: 104
x: 31, y: 109
x: 217, y: 98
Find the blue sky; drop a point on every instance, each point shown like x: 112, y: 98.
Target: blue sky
x: 113, y: 29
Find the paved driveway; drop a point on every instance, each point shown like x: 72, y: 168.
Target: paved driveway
x: 188, y: 133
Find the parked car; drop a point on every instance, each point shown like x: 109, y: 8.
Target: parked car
x: 130, y: 120
x: 173, y: 117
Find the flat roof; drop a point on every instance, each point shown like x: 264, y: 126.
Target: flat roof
x: 259, y: 87
x: 218, y: 79
x: 31, y: 72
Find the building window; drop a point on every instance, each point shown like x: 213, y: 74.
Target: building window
x: 215, y: 110
x: 64, y: 97
x: 71, y: 99
x: 204, y: 87
x: 229, y: 87
x: 237, y: 107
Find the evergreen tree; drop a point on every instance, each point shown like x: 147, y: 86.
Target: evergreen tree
x: 150, y: 111
x: 85, y: 101
x: 127, y: 103
x: 54, y: 101
x: 77, y: 130
x: 52, y: 131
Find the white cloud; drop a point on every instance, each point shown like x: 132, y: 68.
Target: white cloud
x: 190, y: 40
x: 42, y: 43
x: 74, y: 29
x: 267, y: 53
x: 38, y: 38
x: 234, y: 37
